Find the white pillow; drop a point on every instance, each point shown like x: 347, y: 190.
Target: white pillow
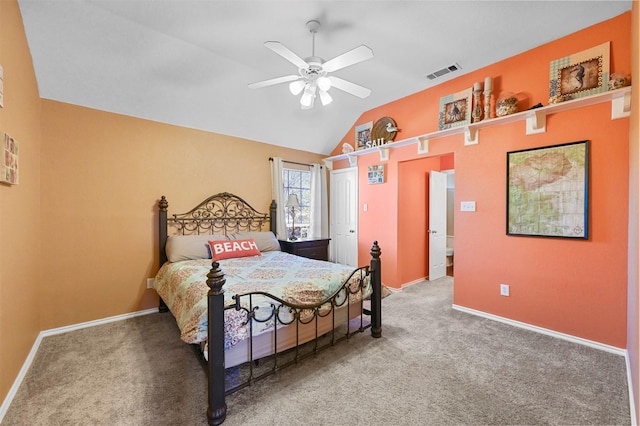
x: 189, y: 247
x: 266, y: 241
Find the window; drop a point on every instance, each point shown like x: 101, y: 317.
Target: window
x: 298, y: 182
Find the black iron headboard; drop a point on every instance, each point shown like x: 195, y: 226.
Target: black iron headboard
x: 220, y: 214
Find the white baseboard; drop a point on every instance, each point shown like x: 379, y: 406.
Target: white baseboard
x: 632, y: 401
x: 563, y: 336
x: 66, y: 329
x: 574, y: 339
x: 410, y: 283
x: 34, y: 349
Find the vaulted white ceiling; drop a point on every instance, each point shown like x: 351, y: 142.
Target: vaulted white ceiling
x: 188, y: 62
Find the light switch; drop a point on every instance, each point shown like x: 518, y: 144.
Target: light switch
x: 467, y: 206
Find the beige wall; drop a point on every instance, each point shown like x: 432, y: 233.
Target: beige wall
x: 20, y: 231
x: 87, y: 252
x: 102, y: 175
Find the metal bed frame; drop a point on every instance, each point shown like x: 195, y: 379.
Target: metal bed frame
x: 226, y: 213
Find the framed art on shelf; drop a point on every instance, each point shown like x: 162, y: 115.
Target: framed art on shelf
x: 363, y: 135
x: 9, y: 163
x: 455, y: 110
x: 581, y: 74
x: 547, y: 191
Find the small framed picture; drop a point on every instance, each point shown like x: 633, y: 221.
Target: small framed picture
x: 363, y: 135
x: 9, y: 163
x: 581, y: 74
x: 455, y: 110
x: 375, y: 174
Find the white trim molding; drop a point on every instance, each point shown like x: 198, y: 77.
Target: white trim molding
x: 559, y: 335
x: 632, y: 402
x: 568, y: 337
x: 51, y: 332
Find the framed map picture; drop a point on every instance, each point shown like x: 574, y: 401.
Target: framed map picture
x: 547, y: 191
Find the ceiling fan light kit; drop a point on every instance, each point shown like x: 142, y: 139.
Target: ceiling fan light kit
x: 313, y: 78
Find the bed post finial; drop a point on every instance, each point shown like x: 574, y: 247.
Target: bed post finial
x: 376, y: 296
x: 217, y: 410
x: 215, y: 278
x: 163, y: 204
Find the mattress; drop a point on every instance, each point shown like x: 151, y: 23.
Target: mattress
x: 182, y: 285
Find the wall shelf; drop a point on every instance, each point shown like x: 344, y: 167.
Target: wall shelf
x: 536, y: 122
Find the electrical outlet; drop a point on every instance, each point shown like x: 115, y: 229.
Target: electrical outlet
x: 150, y: 282
x: 504, y: 289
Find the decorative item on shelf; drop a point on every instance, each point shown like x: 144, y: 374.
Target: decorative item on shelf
x: 506, y: 104
x: 347, y: 148
x: 363, y: 135
x: 455, y: 110
x: 617, y: 81
x: 293, y: 204
x: 476, y: 115
x: 555, y: 99
x: 581, y: 74
x: 488, y: 88
x: 383, y: 132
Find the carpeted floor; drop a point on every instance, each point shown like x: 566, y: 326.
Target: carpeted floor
x: 433, y: 366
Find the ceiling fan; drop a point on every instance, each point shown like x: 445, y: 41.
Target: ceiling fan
x: 312, y: 78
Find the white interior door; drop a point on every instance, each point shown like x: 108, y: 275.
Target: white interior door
x: 344, y: 216
x: 437, y: 225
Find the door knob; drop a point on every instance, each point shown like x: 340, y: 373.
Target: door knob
x: 352, y: 231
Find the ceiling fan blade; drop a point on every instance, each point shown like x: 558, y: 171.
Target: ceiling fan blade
x: 349, y: 87
x: 359, y: 54
x: 273, y: 81
x: 283, y: 51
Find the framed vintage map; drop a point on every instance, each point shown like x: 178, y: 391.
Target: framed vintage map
x: 547, y: 191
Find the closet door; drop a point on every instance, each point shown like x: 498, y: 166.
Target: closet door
x: 344, y: 216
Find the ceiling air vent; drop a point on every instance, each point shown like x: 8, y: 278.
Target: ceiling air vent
x: 443, y: 71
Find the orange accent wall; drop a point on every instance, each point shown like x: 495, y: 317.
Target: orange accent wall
x: 633, y: 315
x: 20, y: 226
x: 575, y: 287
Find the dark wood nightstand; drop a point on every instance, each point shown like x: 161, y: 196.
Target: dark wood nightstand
x: 311, y: 248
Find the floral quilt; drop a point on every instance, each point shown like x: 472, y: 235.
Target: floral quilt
x: 182, y: 285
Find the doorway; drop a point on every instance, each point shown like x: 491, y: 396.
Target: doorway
x: 413, y: 216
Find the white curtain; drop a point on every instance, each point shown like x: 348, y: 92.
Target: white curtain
x: 277, y: 194
x: 319, y: 218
